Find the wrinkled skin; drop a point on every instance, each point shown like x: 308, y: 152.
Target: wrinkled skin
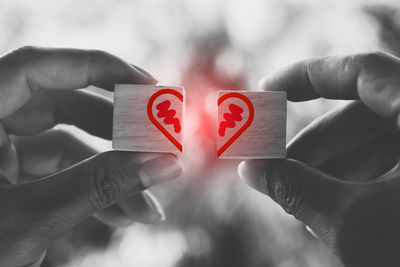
x: 41, y: 194
x: 341, y: 174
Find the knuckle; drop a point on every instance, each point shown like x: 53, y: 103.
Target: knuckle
x: 104, y: 183
x: 19, y: 58
x: 371, y: 58
x: 111, y: 179
x: 377, y: 75
x: 27, y: 49
x: 99, y: 53
x: 101, y: 56
x: 96, y: 60
x: 23, y: 53
x: 285, y: 190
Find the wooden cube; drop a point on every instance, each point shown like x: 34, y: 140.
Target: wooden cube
x: 148, y: 118
x: 251, y: 124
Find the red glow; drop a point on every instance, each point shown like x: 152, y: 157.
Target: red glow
x: 202, y: 79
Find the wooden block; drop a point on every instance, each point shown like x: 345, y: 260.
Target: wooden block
x: 251, y: 124
x: 148, y: 118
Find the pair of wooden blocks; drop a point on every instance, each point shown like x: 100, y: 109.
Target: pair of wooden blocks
x: 150, y: 118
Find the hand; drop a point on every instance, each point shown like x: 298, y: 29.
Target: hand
x: 35, y: 95
x: 342, y: 176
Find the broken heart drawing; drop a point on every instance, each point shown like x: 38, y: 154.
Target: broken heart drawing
x: 167, y: 113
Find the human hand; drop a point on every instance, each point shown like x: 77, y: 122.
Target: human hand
x: 342, y: 176
x: 35, y: 95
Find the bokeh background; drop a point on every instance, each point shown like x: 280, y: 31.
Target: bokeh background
x: 213, y: 219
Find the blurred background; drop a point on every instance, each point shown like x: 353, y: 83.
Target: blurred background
x: 213, y: 219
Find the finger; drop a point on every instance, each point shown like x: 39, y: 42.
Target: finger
x: 342, y: 130
x: 56, y: 203
x: 113, y: 216
x: 366, y: 163
x: 47, y: 108
x: 310, y: 195
x: 28, y: 69
x: 143, y: 70
x: 54, y: 150
x: 329, y: 77
x: 137, y: 208
x: 49, y: 152
x: 8, y: 157
x: 142, y: 208
x: 371, y: 77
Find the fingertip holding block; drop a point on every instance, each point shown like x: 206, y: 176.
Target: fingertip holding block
x: 148, y: 118
x: 251, y: 125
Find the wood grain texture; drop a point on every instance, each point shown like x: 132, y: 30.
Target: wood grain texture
x: 265, y: 137
x: 132, y: 128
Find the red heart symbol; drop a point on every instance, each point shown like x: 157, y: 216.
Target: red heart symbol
x: 165, y: 114
x: 246, y: 125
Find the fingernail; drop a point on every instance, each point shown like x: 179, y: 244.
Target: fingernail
x: 146, y: 75
x: 155, y: 206
x: 159, y: 170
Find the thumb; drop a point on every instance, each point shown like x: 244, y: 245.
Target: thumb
x: 311, y: 196
x: 43, y: 209
x: 99, y: 182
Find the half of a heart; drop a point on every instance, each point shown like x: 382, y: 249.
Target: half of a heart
x: 246, y: 125
x: 165, y: 107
